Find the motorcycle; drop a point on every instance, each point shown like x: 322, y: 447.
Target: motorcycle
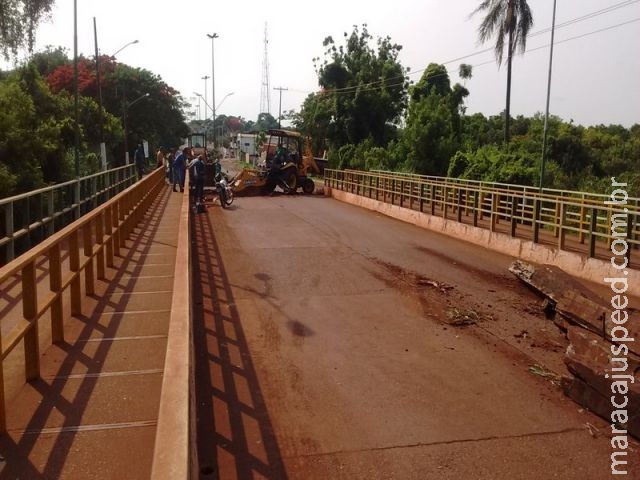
x: 223, y: 189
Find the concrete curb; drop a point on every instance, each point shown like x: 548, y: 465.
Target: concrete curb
x: 171, y: 450
x: 590, y: 269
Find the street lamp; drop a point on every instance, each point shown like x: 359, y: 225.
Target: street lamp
x: 199, y: 95
x: 133, y: 42
x: 103, y: 148
x: 223, y: 99
x: 218, y: 107
x: 125, y: 107
x: 209, y: 106
x: 76, y: 91
x: 213, y: 36
x: 546, y: 113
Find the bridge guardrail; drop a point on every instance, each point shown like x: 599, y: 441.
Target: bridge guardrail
x: 89, y: 244
x: 28, y: 218
x: 526, y: 212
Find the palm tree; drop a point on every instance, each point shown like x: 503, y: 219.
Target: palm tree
x: 511, y: 19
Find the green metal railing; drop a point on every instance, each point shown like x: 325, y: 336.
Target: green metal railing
x: 576, y: 221
x: 27, y: 219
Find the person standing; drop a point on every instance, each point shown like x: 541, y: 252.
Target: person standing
x: 179, y: 168
x: 160, y: 157
x: 196, y: 175
x: 169, y: 165
x: 140, y: 160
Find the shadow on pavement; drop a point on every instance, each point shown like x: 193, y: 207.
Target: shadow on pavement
x: 52, y: 392
x: 234, y: 436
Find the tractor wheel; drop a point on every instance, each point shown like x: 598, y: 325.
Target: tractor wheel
x: 308, y: 186
x: 290, y: 179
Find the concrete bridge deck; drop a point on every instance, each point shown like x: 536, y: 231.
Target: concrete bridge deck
x: 319, y: 353
x: 94, y: 412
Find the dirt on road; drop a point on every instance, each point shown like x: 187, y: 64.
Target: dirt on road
x: 333, y: 342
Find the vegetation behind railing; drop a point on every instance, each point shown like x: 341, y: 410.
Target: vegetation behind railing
x: 27, y: 219
x: 547, y: 216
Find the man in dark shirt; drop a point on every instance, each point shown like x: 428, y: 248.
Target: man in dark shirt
x: 140, y: 160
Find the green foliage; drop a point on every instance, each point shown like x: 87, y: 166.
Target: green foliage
x: 493, y: 164
x: 510, y: 22
x: 364, y: 156
x: 19, y: 20
x: 364, y: 91
x: 433, y: 131
x: 265, y: 122
x: 37, y: 118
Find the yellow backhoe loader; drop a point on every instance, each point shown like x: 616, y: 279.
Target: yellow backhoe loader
x: 282, y: 164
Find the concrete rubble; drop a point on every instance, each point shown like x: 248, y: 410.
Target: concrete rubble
x: 586, y: 319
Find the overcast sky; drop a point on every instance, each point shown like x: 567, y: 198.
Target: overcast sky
x: 595, y: 77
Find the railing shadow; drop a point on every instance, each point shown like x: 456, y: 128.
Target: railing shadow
x: 235, y: 436
x: 17, y: 447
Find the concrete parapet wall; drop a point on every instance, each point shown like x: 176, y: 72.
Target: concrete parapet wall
x: 578, y: 265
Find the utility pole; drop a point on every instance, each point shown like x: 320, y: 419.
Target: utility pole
x: 280, y: 104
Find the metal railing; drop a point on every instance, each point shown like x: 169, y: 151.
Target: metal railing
x: 80, y: 251
x: 576, y: 221
x: 28, y: 218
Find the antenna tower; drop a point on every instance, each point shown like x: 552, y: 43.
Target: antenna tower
x: 265, y: 97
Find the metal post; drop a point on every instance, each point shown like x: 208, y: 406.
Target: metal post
x: 213, y: 85
x: 124, y: 124
x: 546, y: 115
x: 205, y: 78
x: 76, y: 149
x: 280, y: 104
x: 103, y: 150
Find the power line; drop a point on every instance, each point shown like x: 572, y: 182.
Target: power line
x: 360, y: 89
x: 574, y: 38
x: 480, y: 52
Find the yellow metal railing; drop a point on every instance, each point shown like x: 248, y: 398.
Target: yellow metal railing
x: 570, y: 220
x: 85, y: 248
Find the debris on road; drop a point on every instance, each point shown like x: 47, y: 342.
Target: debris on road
x: 586, y: 318
x: 458, y: 318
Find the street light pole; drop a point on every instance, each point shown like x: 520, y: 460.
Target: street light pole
x: 103, y: 148
x: 546, y: 114
x: 133, y: 42
x: 205, y: 78
x: 125, y: 107
x: 213, y: 84
x: 76, y: 149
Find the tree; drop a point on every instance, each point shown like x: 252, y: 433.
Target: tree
x: 157, y: 119
x: 265, y: 122
x: 364, y: 89
x: 19, y: 20
x: 510, y: 18
x: 433, y: 131
x: 465, y: 71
